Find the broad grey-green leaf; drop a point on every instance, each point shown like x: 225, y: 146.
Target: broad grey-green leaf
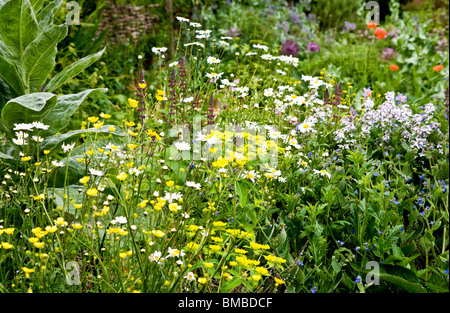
x: 39, y: 57
x: 5, y: 156
x: 72, y: 70
x: 9, y: 71
x: 56, y: 141
x: 18, y: 25
x: 27, y: 108
x: 71, y: 191
x: 2, y: 3
x: 36, y: 5
x: 58, y: 116
x: 5, y: 93
x: 45, y: 17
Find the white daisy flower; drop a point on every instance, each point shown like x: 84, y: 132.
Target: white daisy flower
x: 262, y: 47
x: 68, y: 147
x: 40, y: 125
x: 322, y: 172
x: 95, y: 172
x: 214, y: 75
x: 158, y: 51
x: 212, y: 60
x: 23, y: 126
x: 182, y: 146
x: 182, y: 19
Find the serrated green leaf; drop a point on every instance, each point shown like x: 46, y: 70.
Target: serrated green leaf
x: 402, y: 277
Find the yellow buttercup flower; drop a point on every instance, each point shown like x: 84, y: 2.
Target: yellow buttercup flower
x: 202, y: 280
x: 122, y: 176
x: 278, y: 281
x: 219, y: 223
x: 142, y: 86
x: 133, y: 103
x: 214, y: 248
x: 39, y: 244
x: 84, y: 180
x: 91, y: 192
x: 46, y: 152
x: 256, y: 277
x: 173, y: 207
x: 60, y: 221
x: 27, y: 271
x: 170, y: 183
x: 104, y: 115
x: 77, y: 226
x: 51, y: 229
x: 158, y: 233
x: 93, y: 119
x: 9, y: 231
x: 132, y: 146
x: 209, y: 265
x: 262, y: 270
x: 98, y: 125
x: 26, y: 159
x: 7, y: 245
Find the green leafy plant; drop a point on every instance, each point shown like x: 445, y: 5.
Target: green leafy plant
x: 28, y: 46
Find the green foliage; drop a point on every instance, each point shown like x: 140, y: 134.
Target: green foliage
x: 332, y: 14
x: 349, y: 188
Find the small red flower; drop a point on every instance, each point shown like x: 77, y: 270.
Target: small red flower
x: 393, y: 67
x: 380, y: 33
x: 438, y: 68
x: 372, y: 25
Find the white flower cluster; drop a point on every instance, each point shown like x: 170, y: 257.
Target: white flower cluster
x: 390, y: 117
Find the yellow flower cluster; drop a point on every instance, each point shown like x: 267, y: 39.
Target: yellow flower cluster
x: 117, y: 230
